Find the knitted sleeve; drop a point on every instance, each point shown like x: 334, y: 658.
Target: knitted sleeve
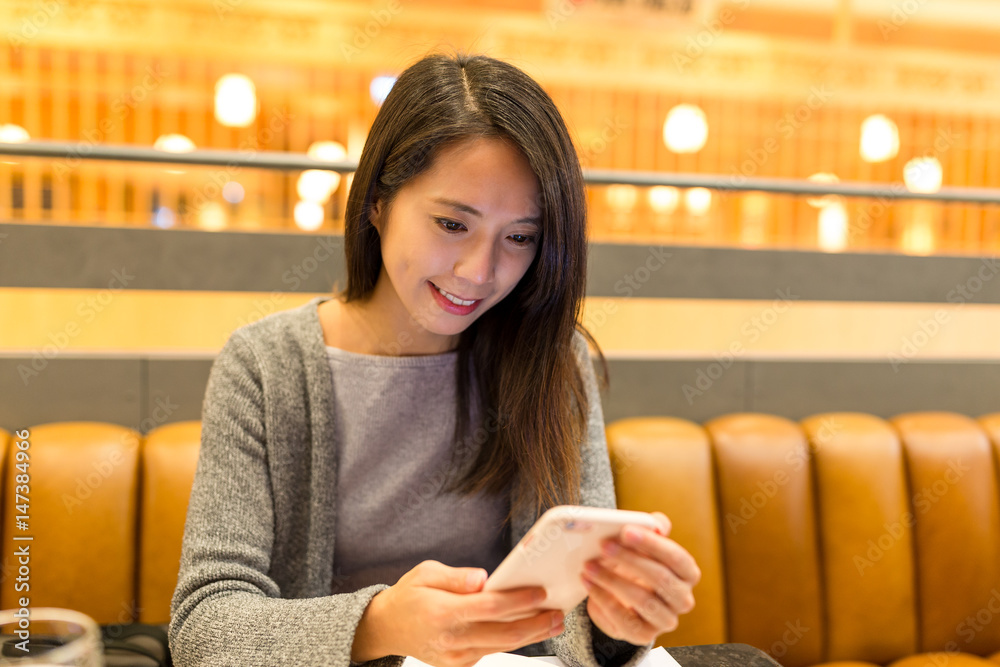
x: 226, y: 609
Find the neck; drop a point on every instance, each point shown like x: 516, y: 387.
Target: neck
x: 385, y: 328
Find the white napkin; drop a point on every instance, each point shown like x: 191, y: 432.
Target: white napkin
x: 658, y: 657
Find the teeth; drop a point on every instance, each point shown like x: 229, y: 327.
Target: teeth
x: 454, y: 299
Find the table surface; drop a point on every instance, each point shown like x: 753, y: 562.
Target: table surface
x: 721, y: 655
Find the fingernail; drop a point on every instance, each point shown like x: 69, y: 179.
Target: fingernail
x: 632, y: 536
x: 591, y: 568
x: 587, y: 584
x: 557, y: 621
x: 610, y: 548
x: 475, y: 579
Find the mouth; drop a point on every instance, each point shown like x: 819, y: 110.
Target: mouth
x: 453, y: 303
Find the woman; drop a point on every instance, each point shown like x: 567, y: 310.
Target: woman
x: 367, y: 459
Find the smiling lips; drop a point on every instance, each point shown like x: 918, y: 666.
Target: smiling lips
x: 452, y: 303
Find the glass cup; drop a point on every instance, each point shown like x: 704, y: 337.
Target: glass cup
x: 49, y: 636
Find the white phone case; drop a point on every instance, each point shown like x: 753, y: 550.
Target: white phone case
x: 553, y: 551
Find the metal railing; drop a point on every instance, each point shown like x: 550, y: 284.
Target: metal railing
x: 281, y: 160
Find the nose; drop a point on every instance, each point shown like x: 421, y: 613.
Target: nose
x: 477, y: 263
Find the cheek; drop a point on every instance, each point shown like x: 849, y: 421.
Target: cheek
x: 513, y: 272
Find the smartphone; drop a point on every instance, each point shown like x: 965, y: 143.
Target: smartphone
x: 552, y: 553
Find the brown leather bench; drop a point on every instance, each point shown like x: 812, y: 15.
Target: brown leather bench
x: 843, y: 539
x: 107, y: 510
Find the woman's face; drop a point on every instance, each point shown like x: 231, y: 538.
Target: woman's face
x: 469, y: 225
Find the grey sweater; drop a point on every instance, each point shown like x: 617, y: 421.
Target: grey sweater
x: 257, y: 565
x: 394, y: 422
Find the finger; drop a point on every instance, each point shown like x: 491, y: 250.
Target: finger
x: 504, y: 605
x: 638, y: 599
x: 496, y: 636
x: 664, y: 550
x: 623, y: 623
x: 644, y: 571
x: 434, y: 574
x: 665, y: 523
x: 599, y: 614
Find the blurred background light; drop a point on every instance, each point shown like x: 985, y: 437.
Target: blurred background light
x: 822, y: 177
x: 923, y: 174
x: 235, y: 100
x: 664, y: 198
x: 698, y: 200
x: 13, y: 134
x: 315, y: 185
x: 212, y: 216
x: 173, y: 143
x: 233, y: 192
x: 833, y: 227
x: 380, y: 87
x: 318, y: 184
x: 879, y: 139
x: 622, y: 197
x: 164, y: 218
x: 308, y: 215
x: 686, y: 129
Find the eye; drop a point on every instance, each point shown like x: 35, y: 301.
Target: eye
x: 526, y: 239
x: 444, y: 222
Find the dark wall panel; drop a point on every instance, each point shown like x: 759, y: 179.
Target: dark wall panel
x: 145, y: 393
x: 64, y: 389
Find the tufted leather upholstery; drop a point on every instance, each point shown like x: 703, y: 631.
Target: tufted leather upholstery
x: 843, y: 540
x: 170, y: 457
x: 846, y: 539
x: 83, y: 480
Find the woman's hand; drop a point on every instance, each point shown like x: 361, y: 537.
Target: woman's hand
x: 439, y: 615
x: 641, y: 584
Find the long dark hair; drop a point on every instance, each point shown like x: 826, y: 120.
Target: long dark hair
x: 526, y: 375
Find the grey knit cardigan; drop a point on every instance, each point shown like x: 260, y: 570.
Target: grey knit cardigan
x: 257, y: 562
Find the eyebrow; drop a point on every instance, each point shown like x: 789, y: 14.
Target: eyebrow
x: 459, y: 206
